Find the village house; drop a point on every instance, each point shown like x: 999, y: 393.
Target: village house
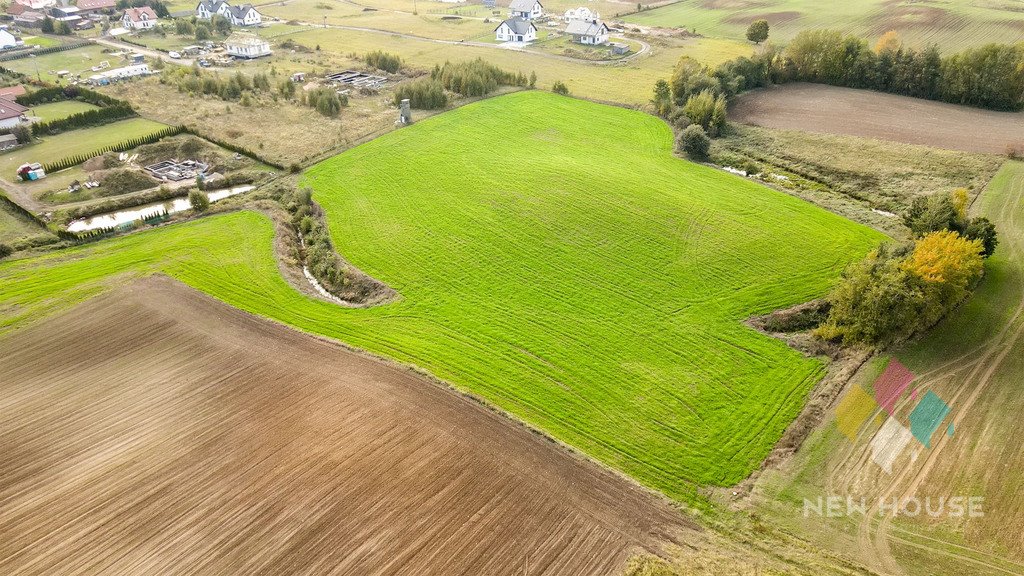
x: 11, y: 114
x: 96, y: 6
x: 246, y: 46
x: 516, y: 30
x: 525, y: 9
x: 244, y: 15
x: 142, y: 18
x: 8, y: 40
x: 581, y: 13
x: 592, y: 32
x: 36, y: 5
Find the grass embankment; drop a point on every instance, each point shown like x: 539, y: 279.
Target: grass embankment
x: 951, y: 25
x: 974, y: 361
x: 585, y: 280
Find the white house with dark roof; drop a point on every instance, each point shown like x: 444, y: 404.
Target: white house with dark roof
x: 590, y: 32
x: 142, y: 18
x: 244, y: 15
x: 525, y: 9
x: 515, y: 30
x: 207, y: 8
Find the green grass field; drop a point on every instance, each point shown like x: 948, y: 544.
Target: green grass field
x: 951, y: 24
x: 53, y: 148
x: 78, y: 61
x: 596, y: 291
x: 58, y: 110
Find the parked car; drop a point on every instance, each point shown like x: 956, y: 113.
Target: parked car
x: 204, y: 63
x: 174, y: 55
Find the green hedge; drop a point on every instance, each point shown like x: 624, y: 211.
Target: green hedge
x: 42, y: 51
x: 77, y: 159
x: 85, y: 119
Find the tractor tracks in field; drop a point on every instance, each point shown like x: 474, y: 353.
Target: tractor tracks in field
x: 978, y: 366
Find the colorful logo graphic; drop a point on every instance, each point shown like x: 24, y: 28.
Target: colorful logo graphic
x: 892, y: 438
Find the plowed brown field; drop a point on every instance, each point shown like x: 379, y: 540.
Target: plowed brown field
x: 155, y: 430
x: 833, y: 110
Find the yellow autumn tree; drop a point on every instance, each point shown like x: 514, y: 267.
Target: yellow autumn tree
x: 888, y: 42
x: 960, y: 199
x: 946, y: 257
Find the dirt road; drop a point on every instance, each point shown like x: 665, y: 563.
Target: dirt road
x: 832, y: 110
x: 155, y: 430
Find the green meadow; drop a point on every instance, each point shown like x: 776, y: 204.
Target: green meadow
x: 554, y: 258
x: 952, y: 25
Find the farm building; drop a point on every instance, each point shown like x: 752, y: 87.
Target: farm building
x: 246, y: 46
x: 525, y: 9
x: 581, y: 13
x: 37, y: 5
x: 8, y: 40
x: 109, y: 76
x: 618, y: 48
x: 10, y: 113
x: 12, y: 92
x: 29, y: 19
x: 515, y: 30
x: 96, y: 6
x: 592, y: 32
x: 8, y: 141
x: 142, y: 18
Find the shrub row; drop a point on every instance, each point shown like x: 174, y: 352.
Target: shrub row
x: 476, y: 77
x: 85, y: 119
x: 42, y: 51
x: 77, y: 159
x: 422, y: 93
x: 61, y: 93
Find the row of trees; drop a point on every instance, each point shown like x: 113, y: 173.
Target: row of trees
x: 95, y: 117
x: 423, y: 93
x: 990, y: 76
x: 900, y: 290
x: 61, y: 93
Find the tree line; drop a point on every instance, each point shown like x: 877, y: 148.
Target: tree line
x: 990, y: 76
x: 77, y: 159
x: 96, y: 117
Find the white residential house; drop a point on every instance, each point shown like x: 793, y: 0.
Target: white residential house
x: 516, y: 30
x: 244, y: 15
x: 37, y: 5
x: 525, y: 9
x: 581, y: 13
x: 246, y: 46
x: 8, y: 40
x: 142, y: 18
x: 591, y: 32
x: 207, y: 8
